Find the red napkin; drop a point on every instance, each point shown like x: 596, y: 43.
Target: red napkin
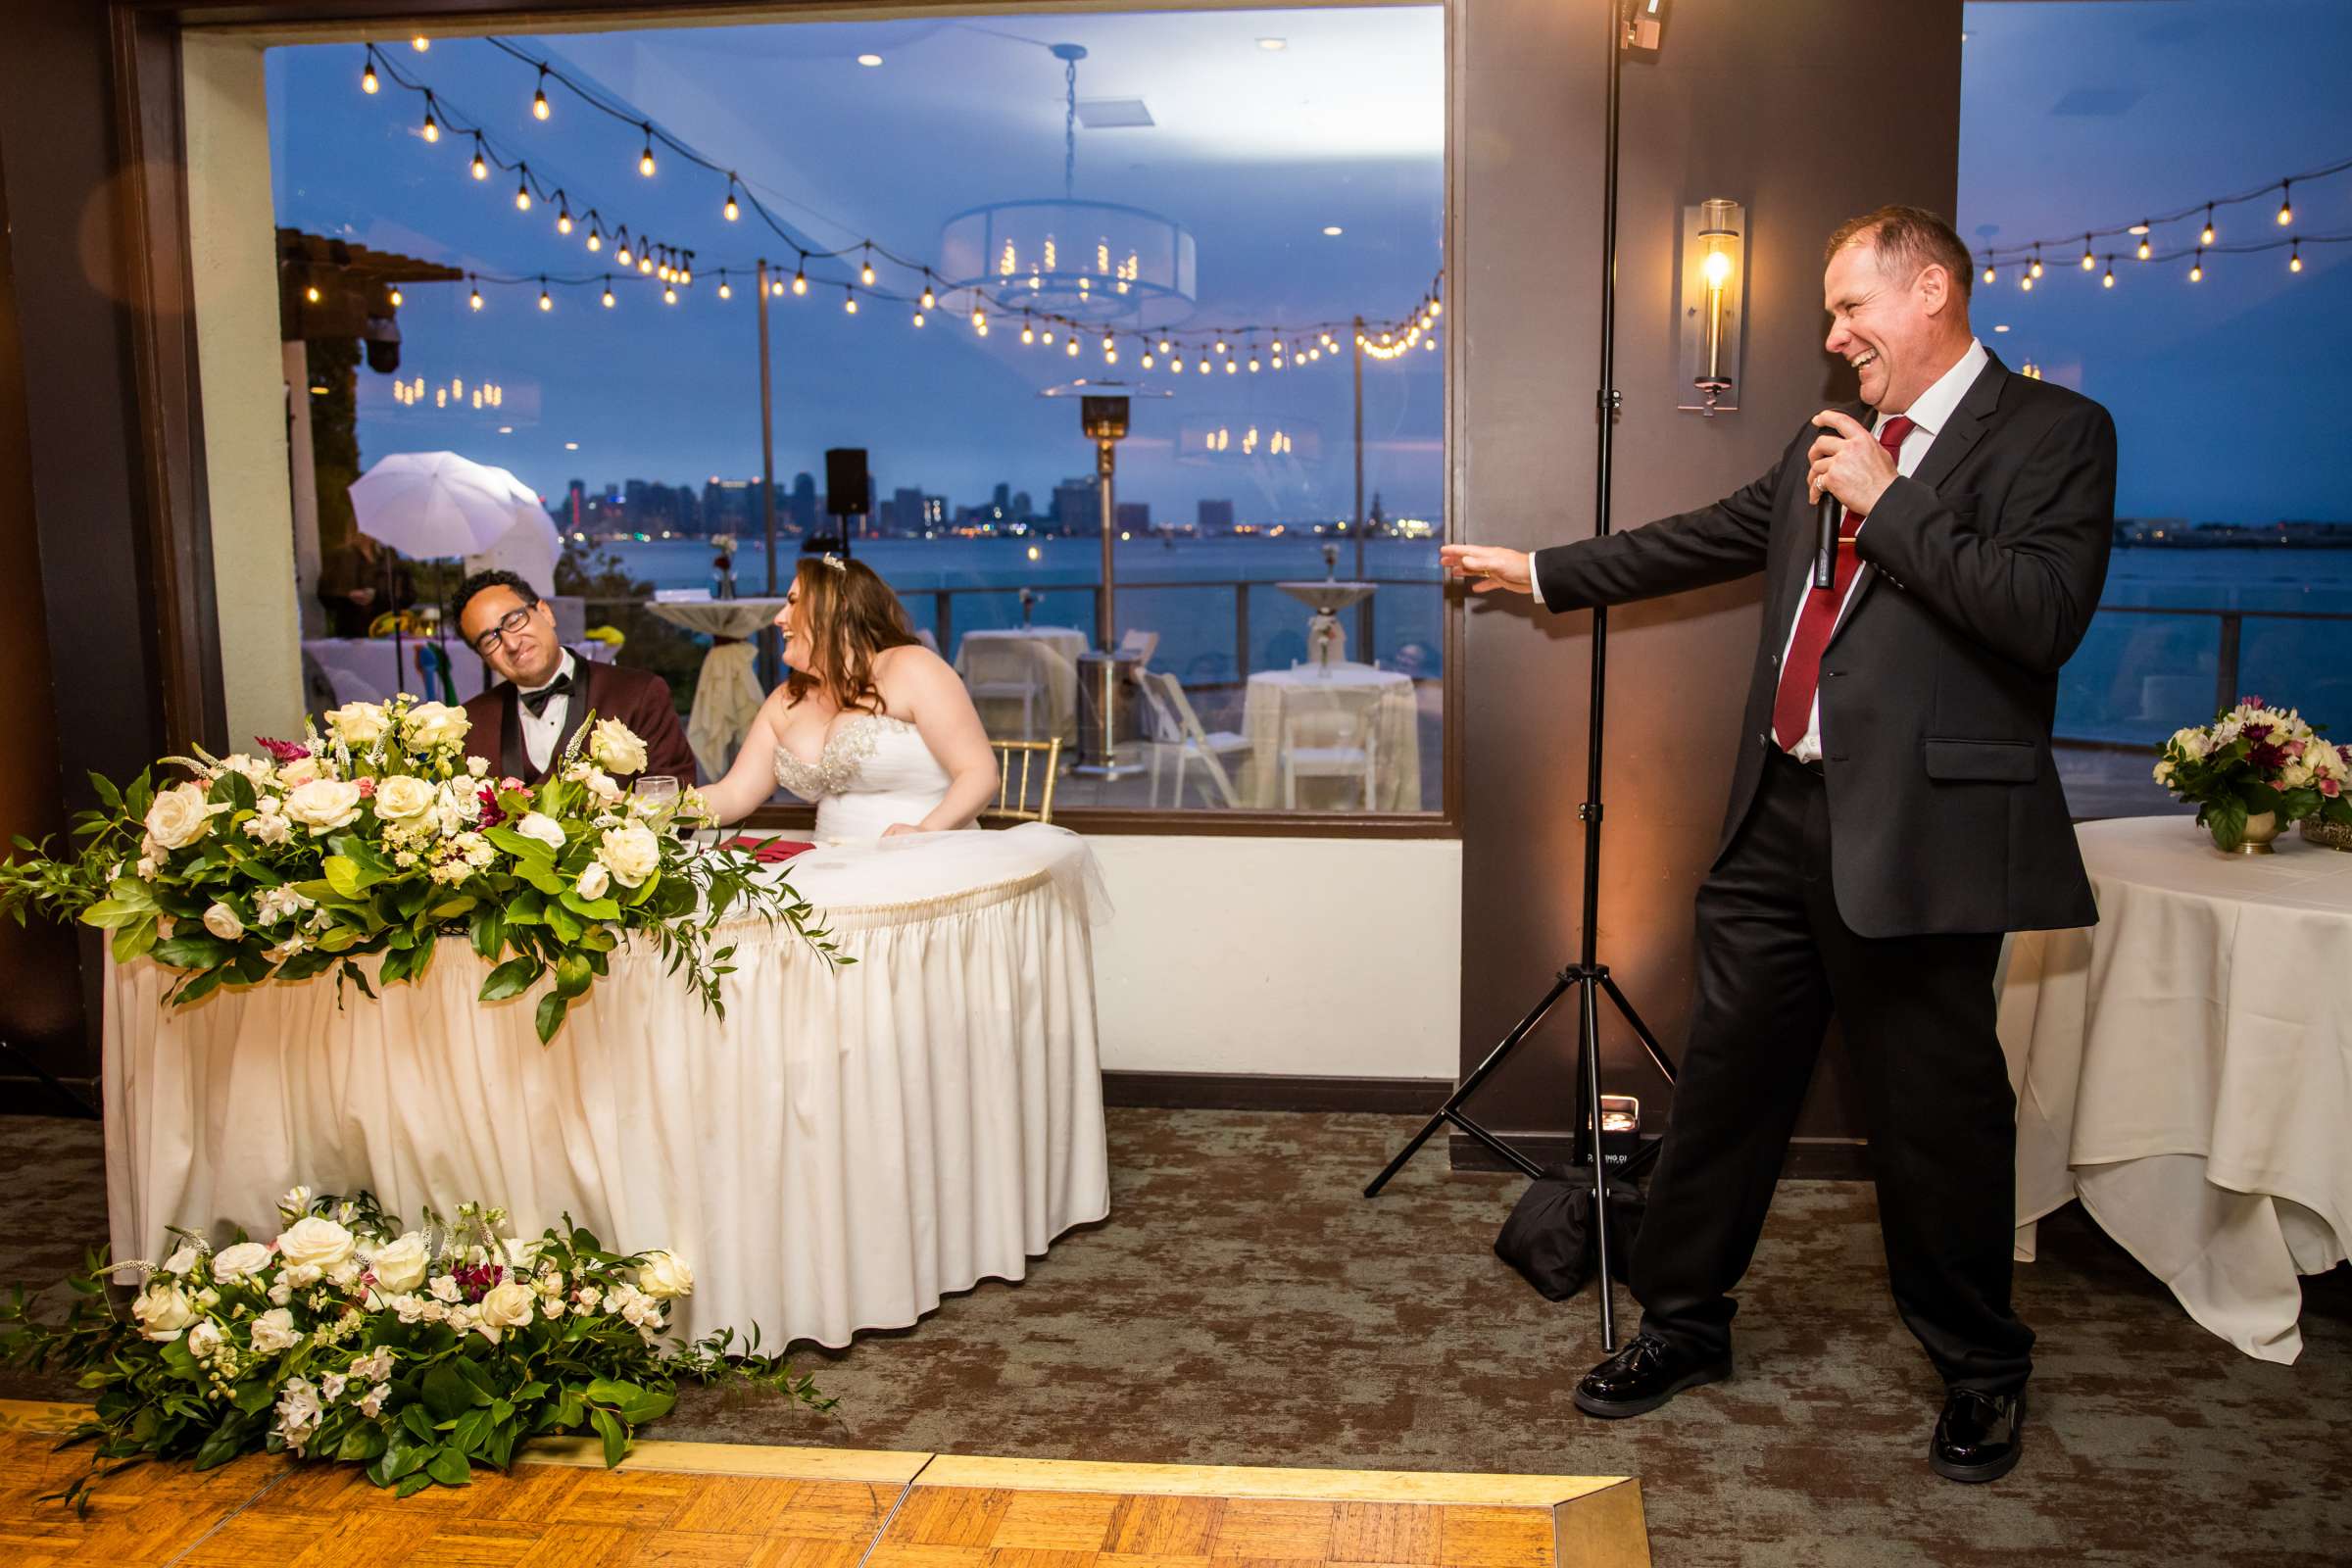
x: 768, y: 851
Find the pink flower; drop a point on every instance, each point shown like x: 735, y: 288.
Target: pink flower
x: 2257, y: 733
x: 2331, y: 788
x: 2294, y: 748
x: 2250, y: 702
x: 491, y: 814
x: 512, y: 786
x: 367, y: 788
x: 282, y: 750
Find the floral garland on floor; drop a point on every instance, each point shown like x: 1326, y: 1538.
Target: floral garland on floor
x: 420, y: 1354
x: 380, y: 835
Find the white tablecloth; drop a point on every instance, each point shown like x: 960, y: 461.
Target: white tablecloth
x: 362, y: 669
x: 727, y: 693
x: 2184, y: 1067
x: 1042, y: 658
x: 1323, y: 703
x: 838, y: 1153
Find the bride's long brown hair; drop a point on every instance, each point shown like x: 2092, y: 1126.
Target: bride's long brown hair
x: 846, y: 615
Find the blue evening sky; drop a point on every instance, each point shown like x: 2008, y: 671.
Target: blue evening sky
x: 2073, y: 113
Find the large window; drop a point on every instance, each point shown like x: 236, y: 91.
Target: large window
x: 2221, y: 361
x: 1233, y: 220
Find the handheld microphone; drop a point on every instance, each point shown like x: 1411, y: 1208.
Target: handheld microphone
x: 1824, y: 539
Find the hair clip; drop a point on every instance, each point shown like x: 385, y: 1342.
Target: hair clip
x: 835, y: 561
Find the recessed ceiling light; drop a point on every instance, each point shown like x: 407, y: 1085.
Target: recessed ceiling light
x: 506, y: 429
x: 869, y: 60
x: 1333, y: 230
x: 2003, y: 327
x: 1273, y: 43
x: 571, y: 446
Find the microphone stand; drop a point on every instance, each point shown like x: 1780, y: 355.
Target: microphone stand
x: 1589, y: 977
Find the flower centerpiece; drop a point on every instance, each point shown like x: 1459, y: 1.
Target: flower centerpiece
x: 378, y: 835
x: 2254, y: 769
x: 418, y: 1353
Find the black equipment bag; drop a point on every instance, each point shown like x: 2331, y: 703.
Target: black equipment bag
x: 1548, y: 1238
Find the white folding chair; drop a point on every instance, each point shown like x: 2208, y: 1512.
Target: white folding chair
x: 1141, y: 643
x: 1178, y: 734
x: 1005, y: 669
x: 1327, y: 742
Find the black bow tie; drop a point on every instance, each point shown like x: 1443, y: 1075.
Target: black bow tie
x: 537, y: 700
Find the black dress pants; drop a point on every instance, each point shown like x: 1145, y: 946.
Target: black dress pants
x: 1775, y: 961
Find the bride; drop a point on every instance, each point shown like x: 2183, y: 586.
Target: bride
x: 871, y: 724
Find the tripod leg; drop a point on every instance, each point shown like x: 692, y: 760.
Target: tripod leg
x: 1591, y: 1052
x: 1649, y: 1042
x: 1469, y: 1085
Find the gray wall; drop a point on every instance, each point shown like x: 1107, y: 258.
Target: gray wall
x: 1806, y: 111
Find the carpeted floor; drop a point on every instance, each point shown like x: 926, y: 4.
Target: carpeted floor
x: 1244, y: 1305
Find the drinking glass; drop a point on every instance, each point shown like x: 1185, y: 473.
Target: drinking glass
x: 660, y: 792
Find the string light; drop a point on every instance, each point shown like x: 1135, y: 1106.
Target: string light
x: 2294, y: 260
x: 482, y: 165
x: 929, y: 298
x: 918, y: 318
x: 421, y: 43
x: 621, y: 246
x: 367, y: 81
x: 849, y: 300
x: 669, y: 296
x: 645, y: 159
x: 2197, y: 271
x: 522, y: 192
x: 1147, y: 359
x: 724, y: 292
x: 2024, y: 280
x: 2206, y: 239
x: 731, y: 211
x: 596, y: 236
x: 2087, y: 263
x: 476, y: 301
x: 865, y: 273
x: 432, y: 127
x: 979, y: 317
x: 547, y: 301
x: 607, y: 291
x: 1028, y: 332
x: 2286, y: 206
x: 394, y: 296
x: 2109, y: 281
x: 539, y: 104
x: 2145, y: 251
x: 2037, y: 261
x: 1988, y: 275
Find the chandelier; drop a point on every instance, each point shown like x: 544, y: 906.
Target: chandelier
x: 1089, y: 261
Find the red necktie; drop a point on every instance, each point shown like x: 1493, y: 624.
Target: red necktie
x: 1801, y: 676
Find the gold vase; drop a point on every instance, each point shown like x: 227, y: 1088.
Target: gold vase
x: 2260, y: 828
x: 2336, y: 835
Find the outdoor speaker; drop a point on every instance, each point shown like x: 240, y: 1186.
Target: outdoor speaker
x: 845, y: 482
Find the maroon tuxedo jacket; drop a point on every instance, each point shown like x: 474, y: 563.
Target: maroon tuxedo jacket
x: 637, y: 698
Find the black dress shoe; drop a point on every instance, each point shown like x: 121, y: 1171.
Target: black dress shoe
x: 1645, y: 1375
x: 1978, y: 1435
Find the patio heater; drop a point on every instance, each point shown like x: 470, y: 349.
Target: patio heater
x: 1106, y: 678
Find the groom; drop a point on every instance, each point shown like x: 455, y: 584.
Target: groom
x: 1894, y: 809
x: 523, y: 724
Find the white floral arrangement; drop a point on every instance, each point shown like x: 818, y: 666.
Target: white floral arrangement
x: 421, y: 1353
x: 378, y: 834
x: 2255, y: 758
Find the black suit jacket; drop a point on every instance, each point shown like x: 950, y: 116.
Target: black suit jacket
x: 1979, y: 575
x: 638, y: 699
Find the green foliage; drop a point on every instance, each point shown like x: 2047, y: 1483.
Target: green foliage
x: 2255, y: 758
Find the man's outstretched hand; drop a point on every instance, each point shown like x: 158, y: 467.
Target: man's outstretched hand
x: 1488, y: 568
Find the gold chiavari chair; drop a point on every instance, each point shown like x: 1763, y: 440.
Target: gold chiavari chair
x: 1018, y: 762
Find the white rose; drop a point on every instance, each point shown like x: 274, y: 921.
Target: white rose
x: 400, y: 1265
x: 445, y: 1289
x: 323, y: 805
x: 403, y: 798
x: 274, y: 1331
x: 505, y: 1307
x: 616, y: 746
x: 221, y: 921
x: 600, y: 784
x: 665, y: 1275
x: 162, y: 1310
x: 360, y: 723
x: 434, y: 726
x: 632, y: 854
x: 543, y: 827
x: 316, y: 1242
x: 240, y: 1261
x: 477, y: 766
x: 595, y: 881
x: 179, y: 817
x: 181, y: 1261
x: 204, y: 1340
x: 300, y: 771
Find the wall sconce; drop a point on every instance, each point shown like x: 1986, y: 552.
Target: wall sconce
x: 1714, y: 292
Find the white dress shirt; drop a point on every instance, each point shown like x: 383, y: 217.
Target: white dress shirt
x: 542, y: 731
x: 1929, y: 412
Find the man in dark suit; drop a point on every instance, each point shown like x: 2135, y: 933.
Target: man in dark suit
x: 523, y: 723
x: 1894, y: 808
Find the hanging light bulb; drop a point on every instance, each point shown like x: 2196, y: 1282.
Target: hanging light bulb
x: 865, y: 273
x: 421, y: 43
x: 2143, y: 248
x: 547, y: 301
x: 2024, y: 280
x: 645, y: 159
x: 1049, y: 337
x: 539, y: 105
x: 2036, y: 268
x: 776, y: 288
x: 849, y: 300
x: 731, y: 211
x: 367, y: 81
x: 1164, y: 345
x: 2196, y: 271
x: 522, y: 192
x: 2294, y: 260
x: 433, y: 127
x: 2286, y: 206
x: 1253, y: 361
x: 476, y: 300
x: 2088, y: 262
x: 1147, y: 359
x: 929, y: 298
x: 1028, y: 333
x: 394, y: 296
x: 2206, y: 239
x: 482, y: 165
x: 1988, y: 275
x: 1073, y: 347
x: 1220, y: 345
x: 1232, y: 366
x: 2109, y: 281
x: 1107, y: 345
x: 562, y: 214
x: 607, y: 291
x: 980, y: 316
x: 596, y: 236
x: 686, y: 271
x: 620, y: 247
x: 724, y: 292
x: 918, y: 318
x: 645, y: 260
x: 1176, y: 364
x: 669, y: 296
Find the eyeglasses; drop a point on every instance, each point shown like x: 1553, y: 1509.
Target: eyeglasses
x: 509, y: 625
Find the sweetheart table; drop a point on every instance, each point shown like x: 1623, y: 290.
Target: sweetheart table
x: 838, y: 1153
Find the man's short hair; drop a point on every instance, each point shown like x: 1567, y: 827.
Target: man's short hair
x: 488, y: 579
x: 1904, y: 240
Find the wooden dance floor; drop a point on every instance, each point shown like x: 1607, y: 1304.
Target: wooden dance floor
x: 703, y: 1503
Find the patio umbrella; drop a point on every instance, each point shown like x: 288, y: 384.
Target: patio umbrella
x: 431, y: 505
x: 530, y: 548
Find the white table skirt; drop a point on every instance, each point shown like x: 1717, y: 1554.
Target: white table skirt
x: 837, y: 1153
x: 2184, y: 1068
x: 1274, y: 697
x: 1042, y: 658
